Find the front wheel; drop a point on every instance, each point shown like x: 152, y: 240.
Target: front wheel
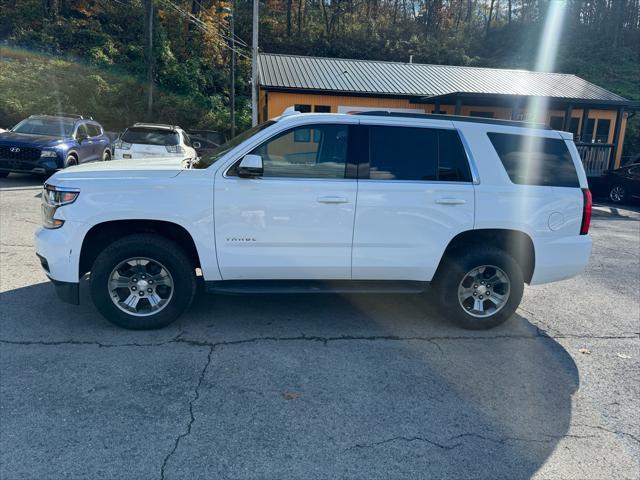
x: 142, y: 282
x: 480, y: 289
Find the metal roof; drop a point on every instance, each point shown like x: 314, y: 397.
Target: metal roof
x: 420, y: 80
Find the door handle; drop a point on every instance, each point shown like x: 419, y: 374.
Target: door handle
x: 332, y: 199
x: 451, y: 201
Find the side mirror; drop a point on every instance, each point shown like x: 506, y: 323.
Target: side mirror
x: 196, y: 144
x: 250, y: 166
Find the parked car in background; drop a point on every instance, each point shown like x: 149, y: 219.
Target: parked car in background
x: 622, y: 184
x: 43, y: 144
x: 153, y: 140
x: 326, y: 202
x: 209, y: 140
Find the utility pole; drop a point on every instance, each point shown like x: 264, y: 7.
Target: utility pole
x: 148, y: 22
x: 254, y: 66
x: 233, y: 70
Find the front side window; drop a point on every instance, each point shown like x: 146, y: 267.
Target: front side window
x: 531, y: 160
x: 402, y: 153
x: 322, y: 154
x: 82, y: 131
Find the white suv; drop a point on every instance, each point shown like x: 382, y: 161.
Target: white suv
x: 326, y: 202
x: 145, y: 140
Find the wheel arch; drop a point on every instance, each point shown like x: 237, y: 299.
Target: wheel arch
x: 515, y: 242
x: 105, y: 233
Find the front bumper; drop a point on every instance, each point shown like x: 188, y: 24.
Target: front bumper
x: 67, y: 291
x: 60, y: 249
x: 44, y: 165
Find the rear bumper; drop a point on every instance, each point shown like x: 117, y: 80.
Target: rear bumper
x: 561, y: 258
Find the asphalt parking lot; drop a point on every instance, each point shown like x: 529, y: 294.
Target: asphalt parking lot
x: 358, y: 386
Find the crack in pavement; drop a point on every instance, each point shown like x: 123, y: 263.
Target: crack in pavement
x: 604, y: 429
x: 192, y: 417
x: 448, y: 446
x: 313, y: 338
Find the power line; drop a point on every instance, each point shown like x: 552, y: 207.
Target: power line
x: 204, y: 27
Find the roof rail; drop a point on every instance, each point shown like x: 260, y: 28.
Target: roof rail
x: 70, y: 115
x: 455, y: 118
x: 155, y: 125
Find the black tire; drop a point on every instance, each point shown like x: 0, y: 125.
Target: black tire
x: 70, y: 161
x: 455, y: 269
x: 158, y: 249
x: 4, y: 173
x: 106, y: 156
x: 617, y: 193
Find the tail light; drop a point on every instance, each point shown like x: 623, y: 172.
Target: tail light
x: 586, y: 211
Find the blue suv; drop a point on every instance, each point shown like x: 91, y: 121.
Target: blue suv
x: 43, y: 144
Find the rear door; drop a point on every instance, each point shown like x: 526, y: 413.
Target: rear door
x: 415, y: 193
x: 296, y: 221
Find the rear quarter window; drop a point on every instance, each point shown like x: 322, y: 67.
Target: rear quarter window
x: 532, y: 160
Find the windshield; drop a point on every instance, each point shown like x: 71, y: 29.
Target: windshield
x: 150, y: 136
x: 217, y: 153
x: 54, y: 127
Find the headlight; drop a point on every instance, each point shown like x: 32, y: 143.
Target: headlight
x: 175, y: 149
x: 48, y: 154
x: 53, y: 198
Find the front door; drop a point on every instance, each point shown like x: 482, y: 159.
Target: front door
x: 414, y: 195
x: 296, y: 221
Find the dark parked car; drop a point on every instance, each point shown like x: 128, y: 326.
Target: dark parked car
x: 209, y: 140
x: 623, y: 184
x: 45, y: 143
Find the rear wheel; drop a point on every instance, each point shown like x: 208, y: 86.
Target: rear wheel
x: 142, y: 282
x: 617, y: 193
x: 106, y: 156
x: 480, y: 289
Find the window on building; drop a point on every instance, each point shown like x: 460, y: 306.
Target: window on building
x: 322, y: 109
x: 557, y: 123
x: 588, y: 135
x: 475, y: 113
x: 602, y: 130
x: 325, y: 157
x: 574, y: 124
x: 400, y: 153
x: 302, y: 108
x: 531, y: 160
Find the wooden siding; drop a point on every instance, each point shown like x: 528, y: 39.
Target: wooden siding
x: 273, y: 104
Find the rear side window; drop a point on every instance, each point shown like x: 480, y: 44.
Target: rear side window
x: 148, y: 136
x: 402, y: 153
x: 531, y: 160
x: 94, y: 130
x: 423, y: 154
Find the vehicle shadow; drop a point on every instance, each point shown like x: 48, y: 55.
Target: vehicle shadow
x: 21, y: 180
x: 383, y: 380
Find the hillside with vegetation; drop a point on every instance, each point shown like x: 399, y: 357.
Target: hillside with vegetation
x: 93, y: 56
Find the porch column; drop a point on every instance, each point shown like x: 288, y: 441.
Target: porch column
x: 567, y: 118
x: 515, y: 106
x: 583, y: 129
x: 458, y: 106
x: 437, y: 106
x: 616, y: 134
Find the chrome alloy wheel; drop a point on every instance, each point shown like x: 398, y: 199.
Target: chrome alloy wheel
x: 617, y: 193
x: 484, y: 291
x: 140, y: 286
